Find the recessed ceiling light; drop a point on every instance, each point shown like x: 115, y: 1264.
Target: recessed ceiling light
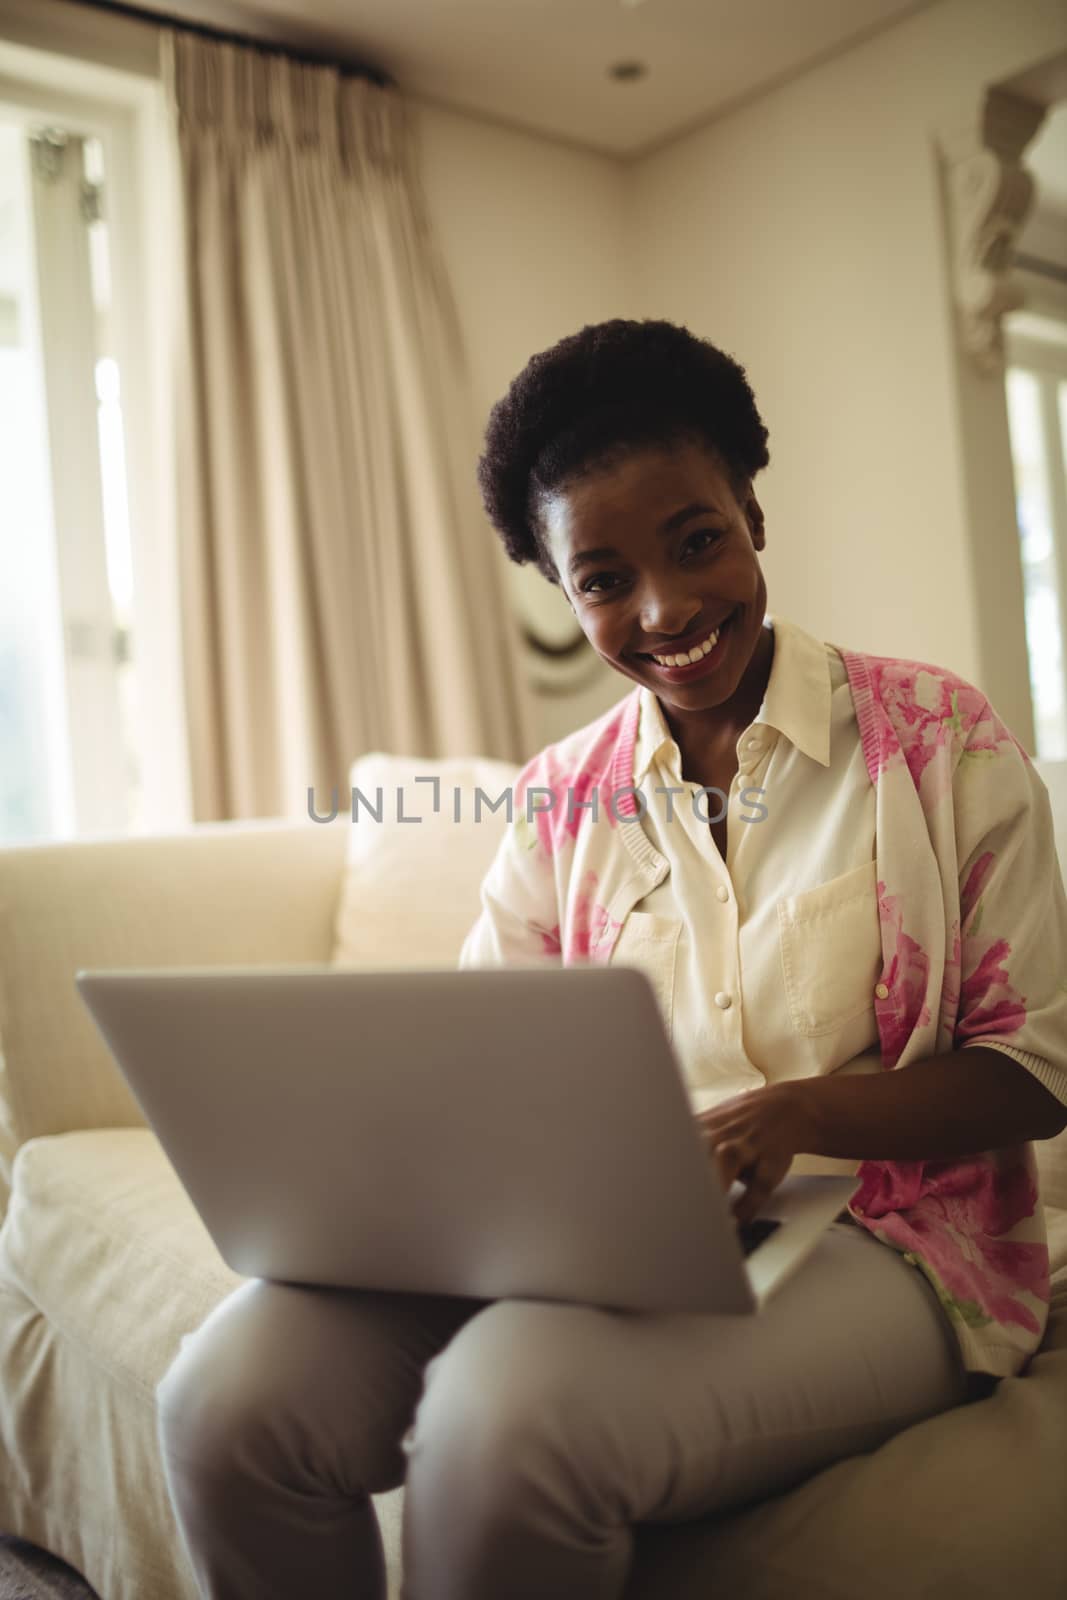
x: 626, y: 71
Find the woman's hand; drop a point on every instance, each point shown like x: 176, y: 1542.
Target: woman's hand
x: 754, y: 1136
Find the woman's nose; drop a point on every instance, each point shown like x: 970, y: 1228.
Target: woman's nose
x: 669, y: 613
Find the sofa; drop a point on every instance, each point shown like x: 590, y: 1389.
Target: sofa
x: 105, y: 1265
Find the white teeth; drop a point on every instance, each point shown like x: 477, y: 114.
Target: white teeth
x: 690, y: 656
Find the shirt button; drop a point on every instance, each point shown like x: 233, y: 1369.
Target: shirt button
x: 753, y: 744
x: 881, y: 991
x: 722, y: 892
x: 723, y: 1001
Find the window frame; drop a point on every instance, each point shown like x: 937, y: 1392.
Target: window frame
x: 127, y: 113
x: 1045, y: 359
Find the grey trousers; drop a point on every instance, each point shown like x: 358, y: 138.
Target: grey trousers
x: 533, y: 1434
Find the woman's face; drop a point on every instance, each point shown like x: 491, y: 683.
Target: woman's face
x: 641, y: 568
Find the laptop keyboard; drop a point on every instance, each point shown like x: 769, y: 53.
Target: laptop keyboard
x: 751, y: 1234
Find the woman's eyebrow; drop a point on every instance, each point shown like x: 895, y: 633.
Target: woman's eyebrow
x: 696, y: 508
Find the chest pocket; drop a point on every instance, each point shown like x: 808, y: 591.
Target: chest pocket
x: 650, y: 942
x: 831, y: 947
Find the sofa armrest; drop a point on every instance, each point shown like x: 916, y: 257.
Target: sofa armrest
x: 231, y: 893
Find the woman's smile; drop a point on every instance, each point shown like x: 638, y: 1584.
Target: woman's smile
x: 709, y: 659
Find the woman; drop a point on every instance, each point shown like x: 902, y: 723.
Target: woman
x: 893, y: 902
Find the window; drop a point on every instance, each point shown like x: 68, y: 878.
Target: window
x: 1037, y: 416
x: 68, y: 757
x: 91, y: 721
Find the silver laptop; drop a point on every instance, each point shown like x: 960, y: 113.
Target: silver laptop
x: 496, y: 1132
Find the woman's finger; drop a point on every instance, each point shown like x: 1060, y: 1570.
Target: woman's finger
x: 734, y: 1158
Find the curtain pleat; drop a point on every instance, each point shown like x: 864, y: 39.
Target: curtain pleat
x: 342, y: 590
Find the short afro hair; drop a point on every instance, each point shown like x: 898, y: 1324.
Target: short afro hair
x: 592, y: 400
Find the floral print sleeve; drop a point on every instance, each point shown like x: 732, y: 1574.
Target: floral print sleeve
x: 1011, y: 941
x: 974, y: 927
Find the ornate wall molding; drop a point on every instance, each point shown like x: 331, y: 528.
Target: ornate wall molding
x: 988, y: 194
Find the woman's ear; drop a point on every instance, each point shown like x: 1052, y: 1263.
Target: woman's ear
x: 754, y: 517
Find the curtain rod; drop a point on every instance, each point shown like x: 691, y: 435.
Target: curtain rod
x: 314, y: 56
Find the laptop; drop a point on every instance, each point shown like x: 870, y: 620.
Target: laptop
x: 519, y: 1131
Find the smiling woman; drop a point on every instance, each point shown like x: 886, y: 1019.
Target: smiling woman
x: 898, y: 902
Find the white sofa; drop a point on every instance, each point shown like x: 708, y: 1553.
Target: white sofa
x: 104, y: 1264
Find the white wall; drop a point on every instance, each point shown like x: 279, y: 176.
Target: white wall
x: 804, y: 234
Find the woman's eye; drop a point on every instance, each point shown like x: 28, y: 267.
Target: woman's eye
x: 709, y: 535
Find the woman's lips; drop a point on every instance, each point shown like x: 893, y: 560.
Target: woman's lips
x: 695, y: 669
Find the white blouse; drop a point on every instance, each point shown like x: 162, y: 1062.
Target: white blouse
x: 764, y: 965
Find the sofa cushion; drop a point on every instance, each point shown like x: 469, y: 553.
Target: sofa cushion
x: 101, y: 1236
x: 412, y: 889
x: 257, y: 892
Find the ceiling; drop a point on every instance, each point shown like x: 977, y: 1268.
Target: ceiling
x: 546, y: 65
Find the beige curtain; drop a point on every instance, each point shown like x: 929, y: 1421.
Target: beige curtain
x: 342, y: 589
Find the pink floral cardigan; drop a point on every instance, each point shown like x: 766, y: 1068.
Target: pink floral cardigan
x: 974, y: 939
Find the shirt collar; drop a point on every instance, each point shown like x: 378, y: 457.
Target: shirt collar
x: 796, y: 702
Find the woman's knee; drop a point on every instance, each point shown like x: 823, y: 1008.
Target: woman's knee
x: 503, y: 1406
x: 315, y: 1386
x: 213, y: 1394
